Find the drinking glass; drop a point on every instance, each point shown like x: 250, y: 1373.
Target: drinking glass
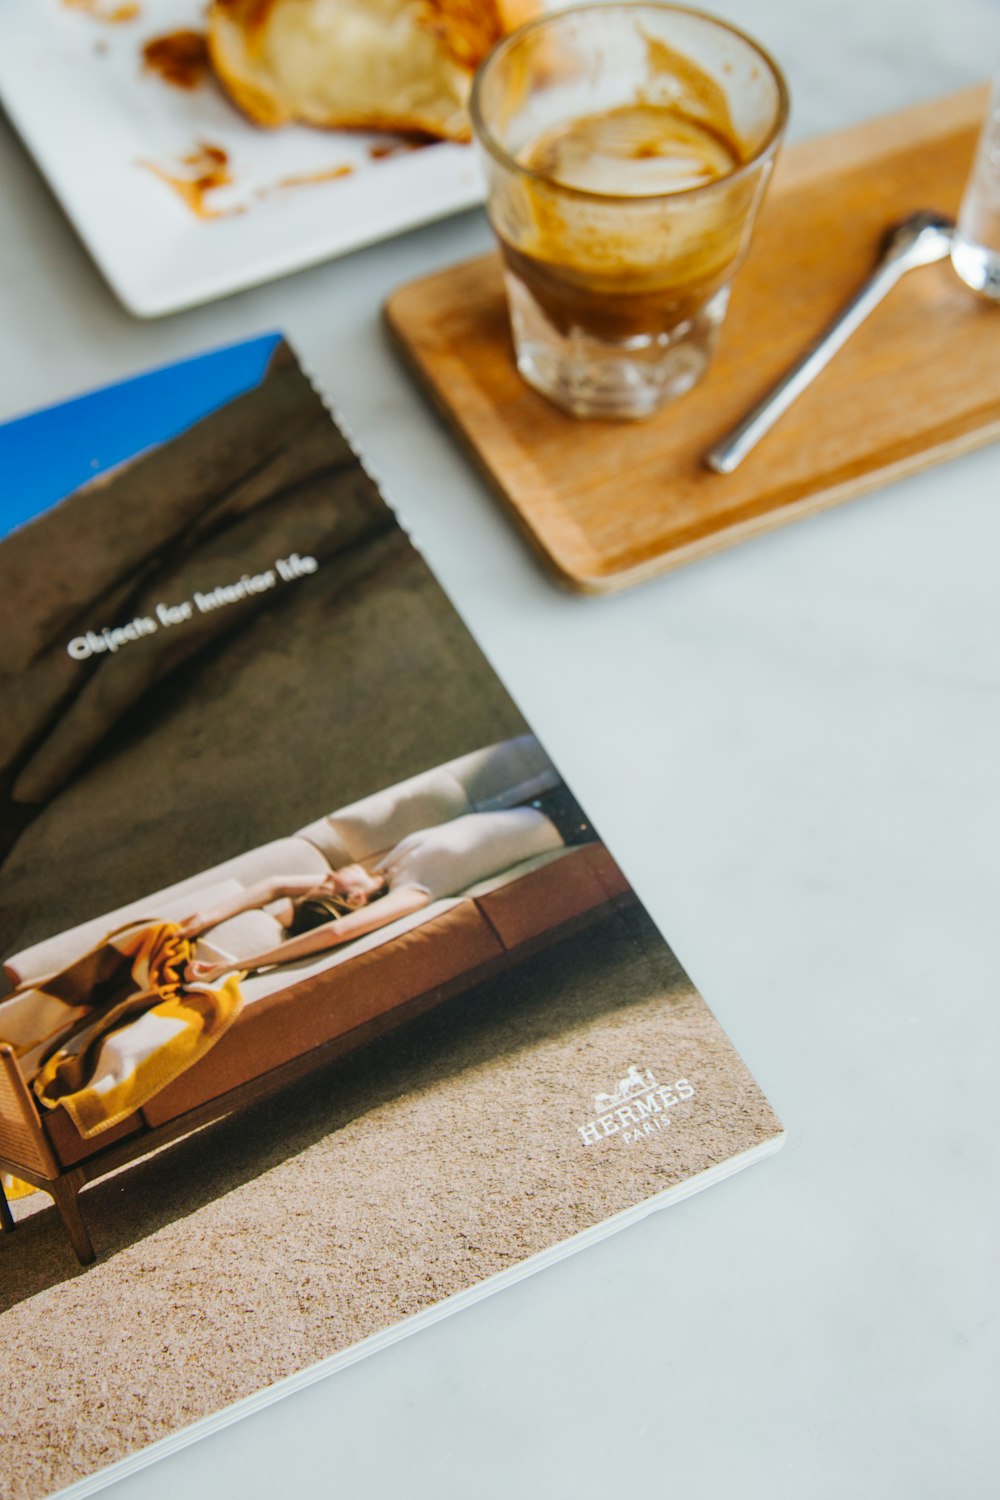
x: 975, y: 252
x: 627, y: 147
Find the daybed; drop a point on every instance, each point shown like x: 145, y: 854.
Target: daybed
x: 302, y: 1015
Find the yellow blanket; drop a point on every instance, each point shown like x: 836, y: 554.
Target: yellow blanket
x: 117, y: 1025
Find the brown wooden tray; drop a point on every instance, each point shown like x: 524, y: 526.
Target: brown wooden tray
x: 612, y: 504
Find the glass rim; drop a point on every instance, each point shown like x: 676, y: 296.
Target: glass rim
x: 486, y: 138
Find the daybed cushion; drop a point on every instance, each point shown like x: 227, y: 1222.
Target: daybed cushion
x: 505, y: 775
x: 321, y: 835
x: 556, y: 890
x: 377, y: 823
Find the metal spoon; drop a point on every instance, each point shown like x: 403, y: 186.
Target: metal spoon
x: 916, y: 241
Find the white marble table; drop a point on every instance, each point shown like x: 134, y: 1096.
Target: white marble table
x: 810, y: 730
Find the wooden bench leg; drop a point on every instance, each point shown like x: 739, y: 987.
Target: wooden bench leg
x: 65, y: 1191
x: 6, y: 1217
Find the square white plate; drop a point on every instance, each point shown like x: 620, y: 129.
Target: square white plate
x: 94, y: 119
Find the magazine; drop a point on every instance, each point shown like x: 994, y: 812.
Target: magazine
x: 325, y: 1007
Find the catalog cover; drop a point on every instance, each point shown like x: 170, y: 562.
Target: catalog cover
x: 325, y: 1008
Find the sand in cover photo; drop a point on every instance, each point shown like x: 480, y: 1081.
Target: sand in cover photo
x: 323, y: 999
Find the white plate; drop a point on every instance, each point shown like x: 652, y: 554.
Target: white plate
x: 77, y: 92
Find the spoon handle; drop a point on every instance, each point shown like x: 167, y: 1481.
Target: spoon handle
x: 734, y: 447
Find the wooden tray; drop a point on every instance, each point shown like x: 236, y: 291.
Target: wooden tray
x: 611, y: 504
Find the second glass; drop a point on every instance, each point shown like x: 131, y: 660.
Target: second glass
x: 976, y: 247
x: 627, y: 148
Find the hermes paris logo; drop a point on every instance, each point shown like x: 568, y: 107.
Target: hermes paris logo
x: 637, y: 1108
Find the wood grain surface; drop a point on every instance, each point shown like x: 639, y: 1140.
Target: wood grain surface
x: 612, y: 504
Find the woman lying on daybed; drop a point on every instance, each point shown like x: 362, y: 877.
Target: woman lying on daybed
x: 426, y: 866
x: 125, y: 1018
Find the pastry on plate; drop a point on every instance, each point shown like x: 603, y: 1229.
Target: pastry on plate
x: 372, y: 64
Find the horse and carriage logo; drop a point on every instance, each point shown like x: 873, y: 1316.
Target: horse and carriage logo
x: 638, y: 1107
